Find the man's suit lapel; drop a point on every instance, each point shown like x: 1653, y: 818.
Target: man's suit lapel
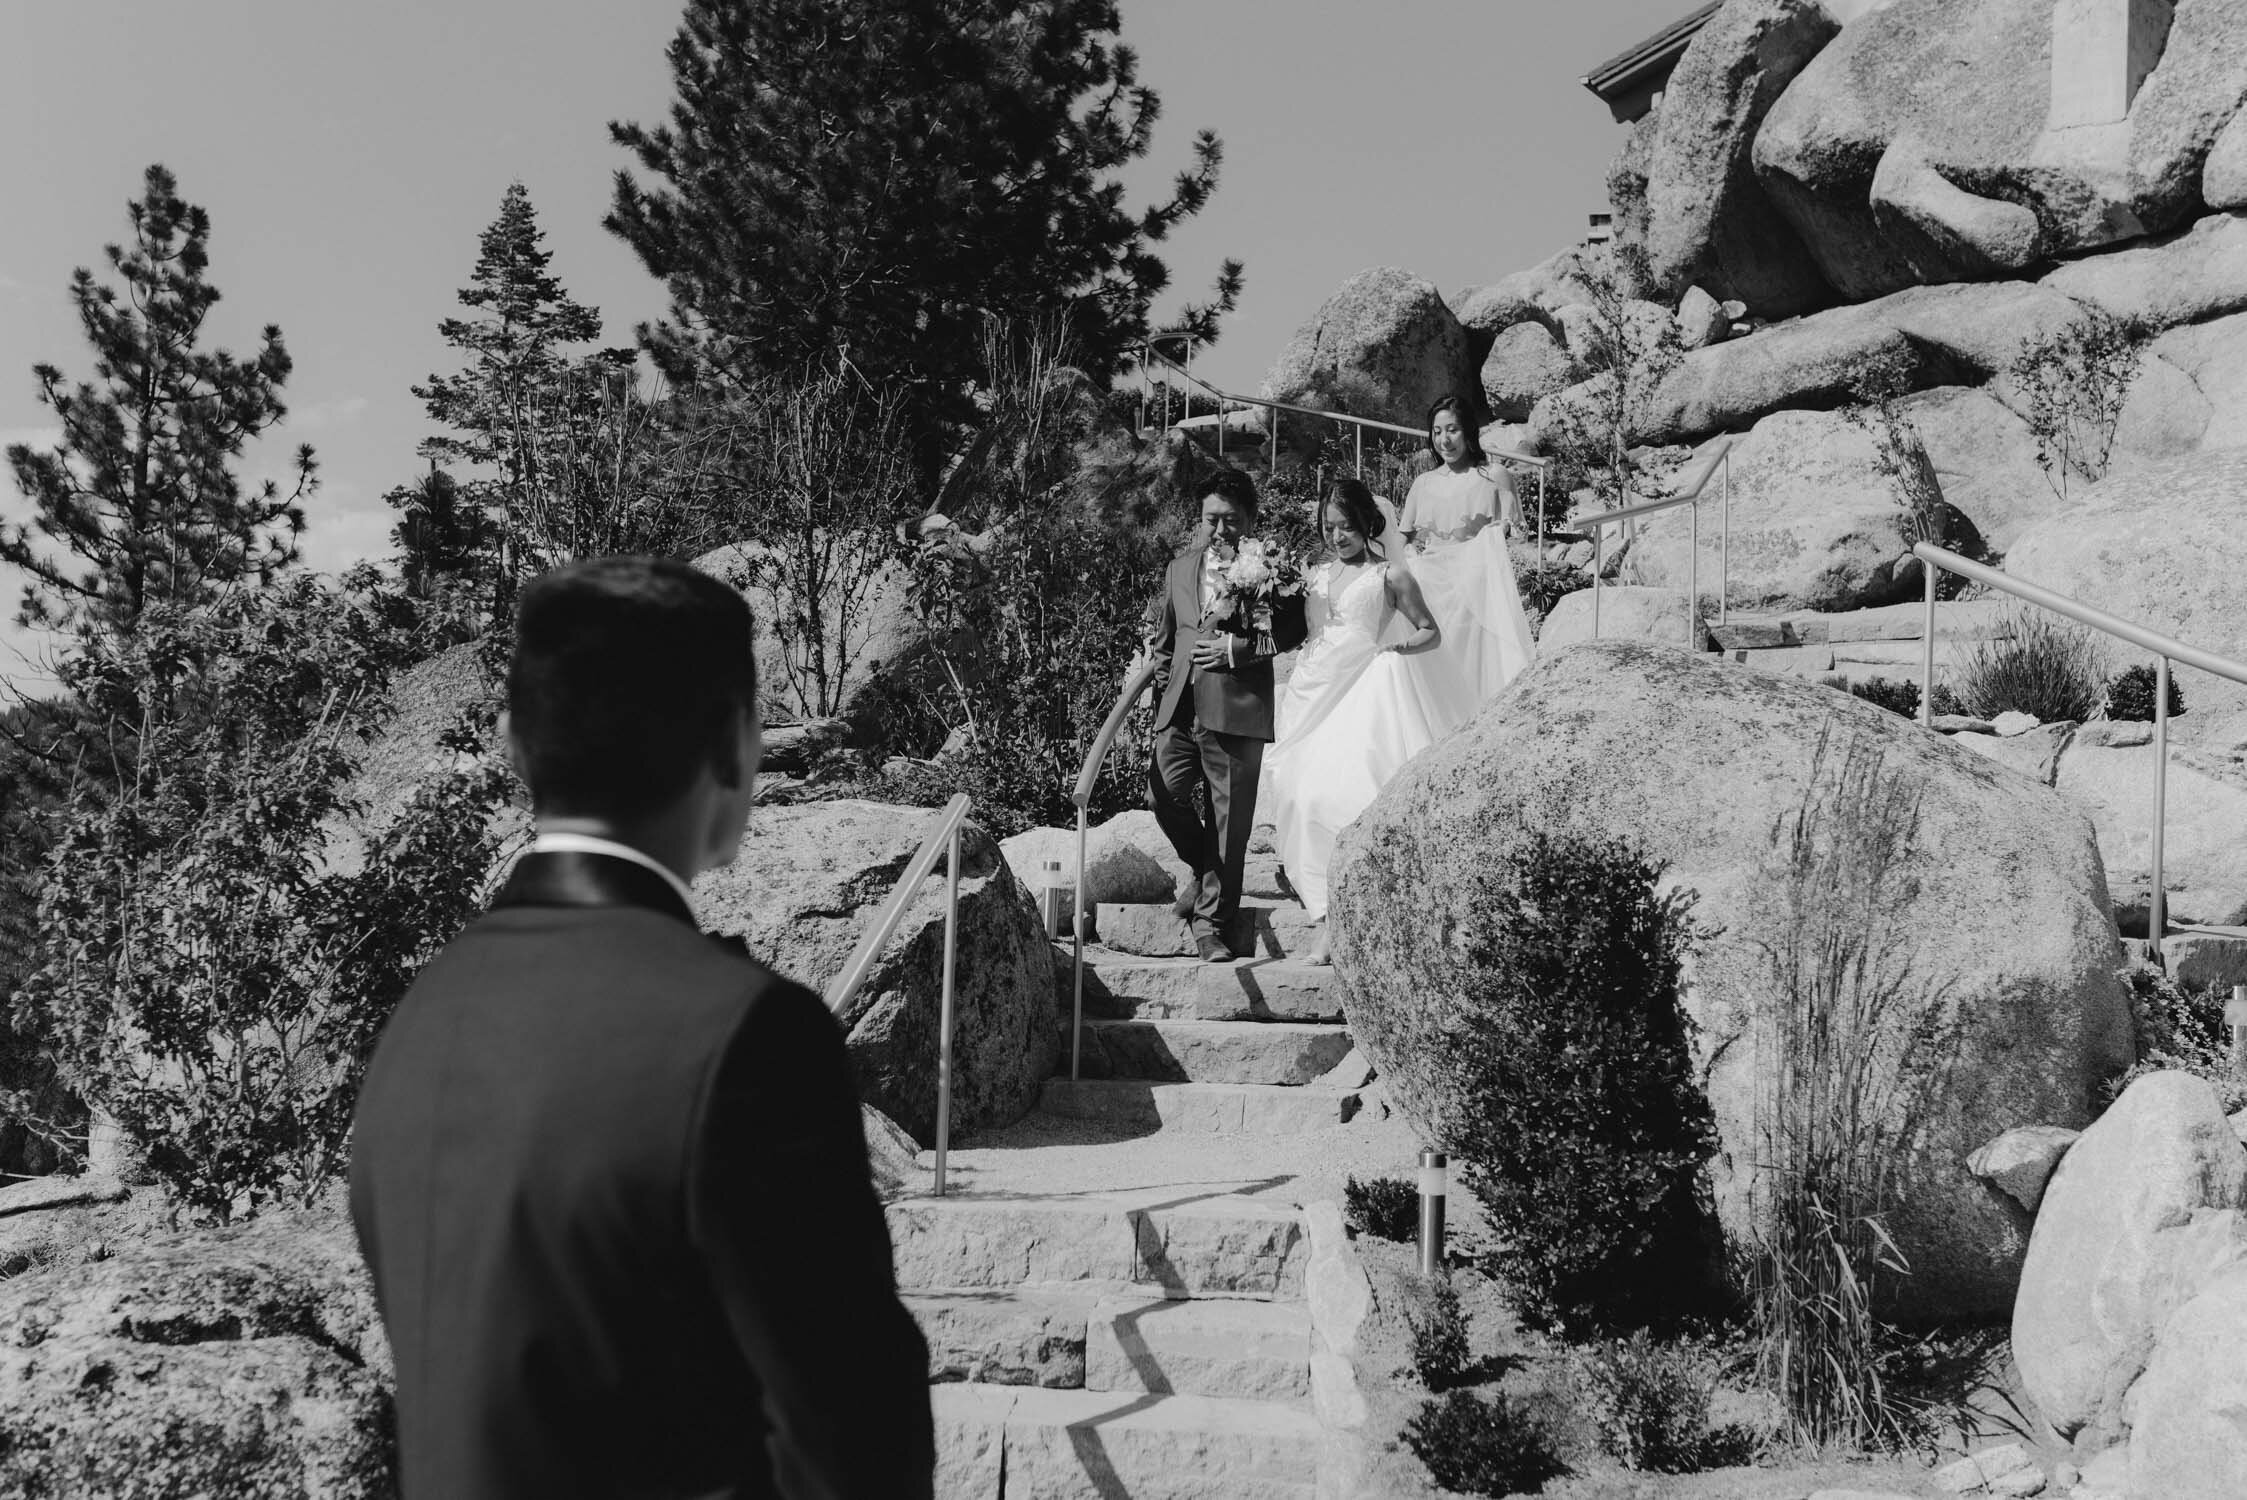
x: 577, y: 878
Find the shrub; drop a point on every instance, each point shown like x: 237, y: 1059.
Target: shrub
x: 1650, y: 1403
x: 1887, y: 692
x: 1581, y: 1130
x: 1544, y: 584
x: 2180, y: 1029
x: 1478, y: 1447
x: 2075, y: 380
x: 205, y: 974
x: 1439, y: 1333
x: 2130, y: 694
x: 1854, y: 1044
x: 2047, y: 667
x: 1388, y: 1208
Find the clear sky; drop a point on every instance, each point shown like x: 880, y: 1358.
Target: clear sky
x: 349, y: 153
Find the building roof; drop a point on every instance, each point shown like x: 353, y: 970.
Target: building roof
x: 1628, y: 80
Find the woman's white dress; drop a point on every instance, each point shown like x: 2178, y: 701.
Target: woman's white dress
x: 1352, y: 714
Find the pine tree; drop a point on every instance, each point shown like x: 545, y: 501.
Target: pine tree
x: 442, y: 534
x: 878, y: 181
x: 138, y: 503
x: 526, y: 400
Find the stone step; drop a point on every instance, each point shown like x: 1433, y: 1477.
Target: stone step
x: 1256, y: 1351
x: 1157, y: 932
x: 999, y: 1442
x: 1219, y: 1246
x: 1167, y: 1051
x: 1125, y: 986
x: 1004, y: 1338
x: 1202, y: 1108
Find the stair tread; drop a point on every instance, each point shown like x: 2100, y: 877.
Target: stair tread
x: 1197, y: 1026
x: 1110, y: 1409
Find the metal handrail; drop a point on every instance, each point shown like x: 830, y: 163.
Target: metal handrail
x: 1716, y: 458
x: 1081, y: 794
x: 1148, y: 354
x: 944, y: 837
x: 2165, y: 649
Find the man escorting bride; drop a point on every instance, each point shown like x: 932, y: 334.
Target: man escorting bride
x: 1401, y: 651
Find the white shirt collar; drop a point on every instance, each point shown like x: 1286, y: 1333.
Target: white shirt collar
x: 586, y: 843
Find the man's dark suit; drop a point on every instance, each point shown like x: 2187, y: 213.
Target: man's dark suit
x: 610, y: 1178
x: 1211, y: 727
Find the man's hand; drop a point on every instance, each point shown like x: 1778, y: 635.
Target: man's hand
x: 1213, y: 652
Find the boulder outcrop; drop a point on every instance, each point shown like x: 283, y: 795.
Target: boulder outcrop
x: 1816, y: 523
x: 2223, y: 176
x: 1626, y: 613
x: 1708, y: 221
x: 1384, y: 346
x: 1984, y: 458
x: 811, y: 877
x: 2204, y: 851
x: 2190, y: 392
x: 2141, y: 1213
x: 1525, y: 365
x: 1996, y: 929
x: 2189, y: 1439
x: 237, y: 1361
x: 1126, y: 859
x: 2189, y: 276
x: 2160, y: 544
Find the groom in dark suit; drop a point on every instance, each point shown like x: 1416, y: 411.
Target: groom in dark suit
x: 608, y: 1172
x: 1214, y: 716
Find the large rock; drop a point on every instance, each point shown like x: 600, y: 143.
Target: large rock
x: 857, y: 665
x: 2189, y: 1439
x: 1626, y: 613
x: 1918, y: 146
x: 1985, y: 459
x: 239, y: 1361
x: 2186, y: 277
x: 2190, y: 393
x: 1383, y: 346
x: 1997, y: 931
x: 2223, y: 177
x: 1927, y: 336
x: 2204, y: 852
x: 1816, y: 523
x: 1486, y: 312
x: 810, y: 880
x: 2141, y: 1213
x: 1126, y: 859
x: 2161, y: 545
x: 1708, y: 221
x: 1525, y: 365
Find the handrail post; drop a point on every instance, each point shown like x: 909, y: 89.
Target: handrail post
x: 1693, y: 580
x: 1360, y: 432
x: 1724, y: 559
x: 1275, y: 437
x: 1077, y: 901
x: 1599, y: 566
x: 1540, y: 519
x: 2157, y: 908
x: 944, y: 1017
x: 1927, y: 649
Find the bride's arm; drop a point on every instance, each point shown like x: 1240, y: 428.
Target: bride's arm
x: 1404, y: 593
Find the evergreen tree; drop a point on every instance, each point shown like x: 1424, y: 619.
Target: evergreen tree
x: 442, y: 534
x: 525, y: 402
x: 138, y: 503
x: 878, y: 181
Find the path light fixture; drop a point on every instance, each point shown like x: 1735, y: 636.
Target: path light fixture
x: 1435, y: 1181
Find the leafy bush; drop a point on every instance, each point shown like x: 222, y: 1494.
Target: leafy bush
x: 1478, y: 1447
x: 1581, y: 1129
x: 1544, y: 584
x: 2047, y: 667
x: 1650, y: 1402
x: 1388, y: 1208
x: 1901, y: 695
x: 2076, y: 380
x: 2180, y: 1029
x: 1439, y: 1333
x: 206, y: 973
x: 2130, y: 694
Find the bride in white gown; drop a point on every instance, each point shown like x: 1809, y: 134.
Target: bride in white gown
x: 1382, y: 677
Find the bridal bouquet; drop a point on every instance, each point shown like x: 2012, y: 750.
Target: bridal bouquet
x: 1247, y: 587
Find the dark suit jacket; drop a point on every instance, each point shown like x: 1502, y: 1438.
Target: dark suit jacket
x: 1235, y: 700
x: 610, y: 1178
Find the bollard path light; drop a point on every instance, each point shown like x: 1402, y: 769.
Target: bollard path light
x: 1434, y: 1184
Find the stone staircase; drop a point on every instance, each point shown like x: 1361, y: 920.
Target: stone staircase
x: 1148, y: 1342
x: 1256, y: 1046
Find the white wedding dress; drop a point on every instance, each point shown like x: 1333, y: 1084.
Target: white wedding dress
x: 1352, y: 714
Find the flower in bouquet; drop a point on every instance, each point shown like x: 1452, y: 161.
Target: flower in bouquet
x: 1247, y: 587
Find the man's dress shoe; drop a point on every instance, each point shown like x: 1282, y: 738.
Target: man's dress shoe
x: 1213, y: 950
